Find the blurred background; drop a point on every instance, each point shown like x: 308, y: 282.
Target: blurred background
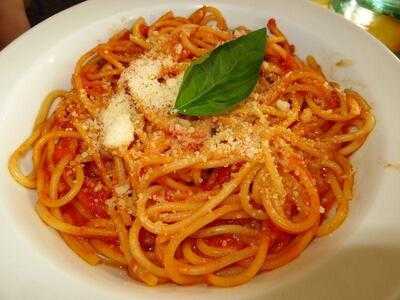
x: 379, y: 17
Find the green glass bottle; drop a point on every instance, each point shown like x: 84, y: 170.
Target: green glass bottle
x: 387, y: 7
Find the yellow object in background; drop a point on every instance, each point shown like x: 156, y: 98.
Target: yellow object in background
x: 385, y: 28
x: 323, y: 2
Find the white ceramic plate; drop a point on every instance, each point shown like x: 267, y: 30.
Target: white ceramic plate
x: 359, y: 261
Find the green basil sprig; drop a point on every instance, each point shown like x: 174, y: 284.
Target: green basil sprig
x: 217, y: 81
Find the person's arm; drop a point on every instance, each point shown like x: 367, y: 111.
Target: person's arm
x: 13, y: 21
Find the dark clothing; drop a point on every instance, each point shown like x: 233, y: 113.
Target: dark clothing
x: 39, y: 10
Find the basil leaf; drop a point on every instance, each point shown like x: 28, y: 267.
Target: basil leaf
x: 217, y: 81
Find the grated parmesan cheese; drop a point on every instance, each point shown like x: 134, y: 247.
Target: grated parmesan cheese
x: 178, y: 48
x: 240, y: 140
x: 122, y: 189
x: 93, y: 129
x: 283, y: 105
x: 143, y: 79
x: 118, y: 128
x: 265, y: 66
x: 237, y: 33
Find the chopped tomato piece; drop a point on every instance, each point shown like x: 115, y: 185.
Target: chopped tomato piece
x: 144, y: 30
x: 147, y: 240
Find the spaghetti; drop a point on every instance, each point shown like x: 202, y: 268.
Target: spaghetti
x: 192, y: 199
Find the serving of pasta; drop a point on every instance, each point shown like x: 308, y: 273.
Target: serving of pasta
x: 129, y: 181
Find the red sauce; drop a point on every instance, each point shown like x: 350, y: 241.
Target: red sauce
x: 76, y: 218
x: 279, y: 239
x: 256, y: 205
x: 113, y: 241
x: 289, y: 207
x: 219, y: 176
x: 90, y: 69
x: 90, y: 170
x: 64, y: 147
x: 280, y: 243
x: 94, y: 87
x: 320, y: 179
x: 147, y: 240
x: 94, y: 201
x: 332, y: 101
x: 125, y: 35
x: 63, y: 187
x: 288, y: 64
x: 144, y: 30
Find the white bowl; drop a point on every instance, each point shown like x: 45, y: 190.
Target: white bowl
x: 361, y: 260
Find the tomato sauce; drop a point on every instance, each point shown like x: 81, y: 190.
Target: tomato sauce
x: 279, y: 239
x: 219, y: 176
x: 76, y: 218
x: 64, y: 147
x: 94, y: 87
x: 94, y: 200
x: 144, y: 30
x: 147, y: 240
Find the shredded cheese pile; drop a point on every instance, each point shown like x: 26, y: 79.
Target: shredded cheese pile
x: 118, y: 126
x: 147, y: 85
